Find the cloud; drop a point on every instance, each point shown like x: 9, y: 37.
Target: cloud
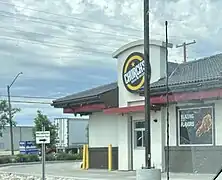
x: 65, y: 46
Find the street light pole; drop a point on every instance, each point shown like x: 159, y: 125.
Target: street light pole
x: 10, y: 120
x: 147, y: 172
x: 10, y: 112
x: 147, y: 85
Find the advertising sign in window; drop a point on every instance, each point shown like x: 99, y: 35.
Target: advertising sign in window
x: 196, y: 126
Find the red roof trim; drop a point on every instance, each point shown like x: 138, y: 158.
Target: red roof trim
x: 123, y: 110
x: 85, y: 108
x: 176, y: 97
x: 215, y: 93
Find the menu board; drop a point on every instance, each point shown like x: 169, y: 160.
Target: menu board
x: 195, y: 126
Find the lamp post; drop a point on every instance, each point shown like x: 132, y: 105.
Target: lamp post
x: 10, y: 111
x: 147, y: 172
x: 147, y: 84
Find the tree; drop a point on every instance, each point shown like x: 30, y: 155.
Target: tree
x: 41, y: 119
x: 4, y: 115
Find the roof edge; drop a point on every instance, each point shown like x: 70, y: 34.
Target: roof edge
x: 79, y: 100
x: 76, y: 101
x: 139, y: 43
x: 61, y: 99
x: 196, y: 86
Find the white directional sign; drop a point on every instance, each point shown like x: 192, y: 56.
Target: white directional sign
x: 42, y: 137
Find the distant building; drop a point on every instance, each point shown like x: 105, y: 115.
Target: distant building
x: 20, y: 133
x: 72, y: 133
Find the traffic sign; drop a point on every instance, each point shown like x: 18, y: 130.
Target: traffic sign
x: 42, y: 137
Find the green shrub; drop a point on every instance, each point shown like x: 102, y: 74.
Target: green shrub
x: 20, y: 158
x: 26, y: 158
x: 32, y: 158
x: 50, y: 157
x: 77, y: 156
x: 61, y: 156
x: 5, y: 159
x: 66, y: 156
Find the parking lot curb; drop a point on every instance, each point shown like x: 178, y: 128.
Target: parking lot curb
x: 38, y: 162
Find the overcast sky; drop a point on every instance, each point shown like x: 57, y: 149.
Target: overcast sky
x: 65, y: 46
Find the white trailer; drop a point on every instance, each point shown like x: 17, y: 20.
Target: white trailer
x: 72, y: 133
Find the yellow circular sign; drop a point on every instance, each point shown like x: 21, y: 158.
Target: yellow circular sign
x: 133, y: 72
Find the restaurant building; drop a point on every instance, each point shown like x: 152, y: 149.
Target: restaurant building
x: 116, y: 112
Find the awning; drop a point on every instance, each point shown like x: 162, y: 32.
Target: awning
x: 176, y: 97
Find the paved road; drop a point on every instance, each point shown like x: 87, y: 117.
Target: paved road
x: 73, y: 170
x: 69, y: 170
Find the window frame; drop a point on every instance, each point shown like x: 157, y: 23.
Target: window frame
x: 181, y: 108
x: 135, y: 134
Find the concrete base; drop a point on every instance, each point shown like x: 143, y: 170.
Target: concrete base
x: 148, y: 174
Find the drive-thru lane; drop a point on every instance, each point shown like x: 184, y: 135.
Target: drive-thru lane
x: 69, y: 170
x: 72, y: 169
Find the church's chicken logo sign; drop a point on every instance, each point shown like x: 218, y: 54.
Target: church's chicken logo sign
x: 133, y: 72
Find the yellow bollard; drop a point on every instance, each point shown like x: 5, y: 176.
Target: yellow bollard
x: 110, y: 158
x: 87, y: 157
x: 84, y: 157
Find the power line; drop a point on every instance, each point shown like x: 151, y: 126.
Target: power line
x: 79, y: 40
x: 55, y: 45
x: 30, y: 97
x: 48, y: 35
x: 34, y: 41
x: 57, y: 37
x: 81, y: 19
x: 86, y: 50
x: 71, y: 17
x: 58, y: 24
x: 73, y: 25
x: 60, y: 45
x: 31, y: 102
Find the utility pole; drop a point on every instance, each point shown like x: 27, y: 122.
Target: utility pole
x: 147, y: 172
x: 147, y: 85
x: 167, y: 103
x: 184, y: 45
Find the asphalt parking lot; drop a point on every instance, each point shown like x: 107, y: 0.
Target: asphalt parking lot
x: 71, y: 169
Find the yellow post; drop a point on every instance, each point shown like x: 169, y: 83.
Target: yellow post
x: 87, y: 157
x: 110, y: 162
x: 84, y: 157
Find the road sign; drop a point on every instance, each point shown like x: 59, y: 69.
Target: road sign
x: 28, y: 147
x: 42, y: 137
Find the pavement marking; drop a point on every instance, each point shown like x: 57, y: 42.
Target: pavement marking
x: 53, y: 176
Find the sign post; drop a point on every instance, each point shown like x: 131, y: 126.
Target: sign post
x: 43, y: 154
x: 43, y: 137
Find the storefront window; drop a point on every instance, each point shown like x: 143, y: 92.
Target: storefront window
x: 195, y: 125
x: 139, y: 133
